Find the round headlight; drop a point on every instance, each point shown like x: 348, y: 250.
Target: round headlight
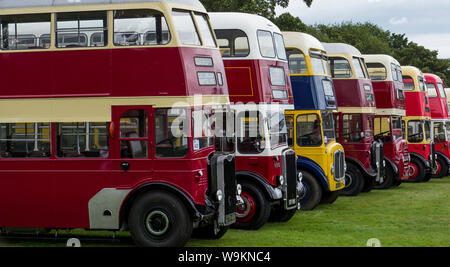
x: 281, y: 180
x: 219, y: 195
x: 239, y: 189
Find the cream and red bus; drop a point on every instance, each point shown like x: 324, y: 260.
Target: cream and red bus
x: 97, y: 109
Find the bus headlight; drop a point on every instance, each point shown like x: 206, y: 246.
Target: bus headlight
x: 219, y: 195
x: 332, y: 169
x: 281, y: 180
x: 239, y: 189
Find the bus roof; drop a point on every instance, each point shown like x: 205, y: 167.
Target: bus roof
x: 412, y: 71
x: 249, y: 23
x: 386, y: 60
x: 48, y: 3
x: 341, y: 48
x: 302, y: 41
x: 431, y: 76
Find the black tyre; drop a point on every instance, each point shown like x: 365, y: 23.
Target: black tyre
x: 389, y: 179
x: 369, y: 184
x: 354, y: 181
x: 418, y: 172
x: 255, y: 211
x: 279, y: 214
x: 329, y: 197
x: 159, y: 219
x: 208, y: 232
x: 442, y: 168
x: 312, y: 192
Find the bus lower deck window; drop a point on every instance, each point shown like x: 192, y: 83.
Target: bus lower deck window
x: 25, y: 140
x: 171, y: 131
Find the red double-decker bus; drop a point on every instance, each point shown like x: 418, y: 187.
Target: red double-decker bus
x: 96, y: 119
x: 260, y: 91
x: 440, y: 123
x: 386, y: 75
x: 417, y: 126
x: 354, y: 118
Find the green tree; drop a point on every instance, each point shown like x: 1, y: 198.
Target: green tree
x: 264, y: 8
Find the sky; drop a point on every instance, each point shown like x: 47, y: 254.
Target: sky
x: 426, y: 22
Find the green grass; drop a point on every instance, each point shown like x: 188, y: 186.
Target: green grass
x: 410, y: 215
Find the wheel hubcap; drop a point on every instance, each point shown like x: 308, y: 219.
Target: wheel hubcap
x: 348, y: 180
x: 413, y: 170
x: 438, y: 168
x: 246, y: 211
x: 157, y: 223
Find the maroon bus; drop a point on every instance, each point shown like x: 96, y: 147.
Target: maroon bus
x: 96, y: 119
x: 354, y: 118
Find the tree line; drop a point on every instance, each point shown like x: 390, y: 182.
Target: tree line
x: 367, y: 37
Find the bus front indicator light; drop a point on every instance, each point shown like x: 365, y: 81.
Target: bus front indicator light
x: 219, y: 195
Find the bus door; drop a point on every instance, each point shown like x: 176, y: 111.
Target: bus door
x: 132, y: 142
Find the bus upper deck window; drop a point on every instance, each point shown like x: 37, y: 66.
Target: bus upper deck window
x: 21, y: 32
x: 186, y: 28
x: 432, y: 92
x: 205, y: 30
x: 233, y: 43
x: 340, y: 68
x: 358, y: 68
x: 266, y: 45
x: 296, y: 60
x: 279, y: 45
x: 140, y: 27
x: 377, y: 71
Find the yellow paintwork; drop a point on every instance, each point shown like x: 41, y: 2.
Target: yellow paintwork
x: 164, y: 7
x: 414, y: 73
x: 92, y: 109
x: 416, y: 118
x: 322, y: 155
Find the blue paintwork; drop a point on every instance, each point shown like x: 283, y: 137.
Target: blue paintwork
x: 309, y: 94
x: 313, y: 168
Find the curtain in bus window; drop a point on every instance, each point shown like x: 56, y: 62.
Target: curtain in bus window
x: 25, y: 140
x: 75, y: 29
x: 21, y: 32
x: 82, y: 139
x: 172, y: 128
x: 185, y: 27
x: 140, y: 27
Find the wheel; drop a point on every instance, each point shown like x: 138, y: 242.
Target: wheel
x: 255, y: 210
x: 442, y: 168
x: 208, y: 232
x: 389, y: 179
x: 329, y: 197
x: 159, y: 219
x: 368, y: 185
x: 417, y: 173
x: 354, y: 181
x: 279, y: 214
x: 312, y: 192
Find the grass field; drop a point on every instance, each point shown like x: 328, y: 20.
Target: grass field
x: 410, y: 215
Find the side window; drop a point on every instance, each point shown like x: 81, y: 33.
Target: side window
x: 76, y: 28
x: 82, y: 140
x: 415, y: 132
x: 172, y: 128
x: 202, y: 121
x: 24, y: 32
x: 205, y: 30
x: 394, y: 71
x: 266, y: 45
x: 290, y: 130
x: 309, y: 131
x: 340, y: 68
x: 140, y: 27
x: 432, y: 92
x: 317, y: 63
x: 134, y: 134
x: 279, y: 45
x: 359, y: 69
x: 352, y: 128
x: 377, y: 71
x: 233, y: 43
x: 186, y: 29
x: 25, y: 140
x: 382, y: 129
x: 224, y: 124
x: 409, y: 83
x: 250, y: 133
x: 296, y: 60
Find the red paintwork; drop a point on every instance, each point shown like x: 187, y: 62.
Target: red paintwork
x: 107, y: 72
x: 439, y: 110
x: 54, y: 193
x: 417, y: 103
x: 351, y: 93
x: 249, y: 81
x: 248, y: 209
x: 386, y: 98
x: 360, y: 152
x: 386, y: 95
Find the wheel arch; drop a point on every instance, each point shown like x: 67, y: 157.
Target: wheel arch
x: 308, y: 165
x: 259, y: 181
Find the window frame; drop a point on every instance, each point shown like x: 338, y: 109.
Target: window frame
x: 260, y: 47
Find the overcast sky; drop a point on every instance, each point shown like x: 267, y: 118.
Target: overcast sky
x: 426, y: 22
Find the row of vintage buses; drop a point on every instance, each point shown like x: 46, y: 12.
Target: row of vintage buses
x: 155, y: 117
